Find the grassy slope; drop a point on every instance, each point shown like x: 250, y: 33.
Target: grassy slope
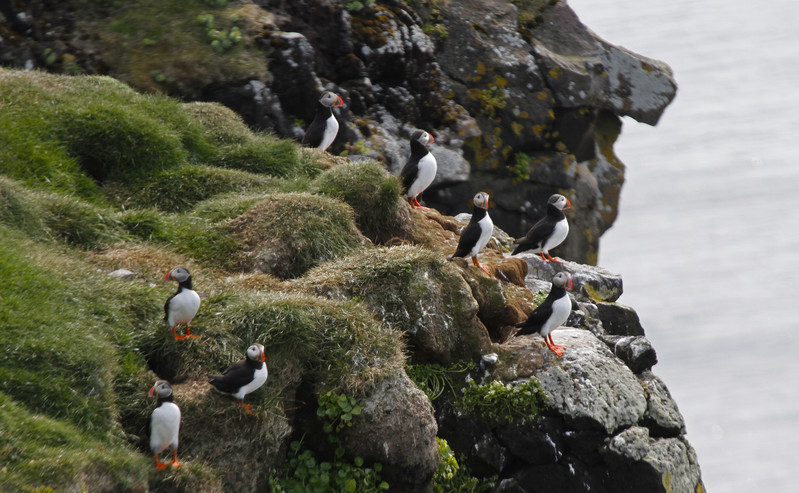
x: 96, y: 176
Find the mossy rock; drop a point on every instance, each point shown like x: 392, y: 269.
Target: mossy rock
x: 413, y: 290
x: 289, y: 233
x: 374, y: 194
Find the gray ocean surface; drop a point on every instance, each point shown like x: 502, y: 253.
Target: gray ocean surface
x: 707, y: 237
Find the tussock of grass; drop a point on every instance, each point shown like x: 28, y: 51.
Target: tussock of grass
x: 287, y: 234
x: 80, y: 134
x: 119, y: 142
x: 373, y: 193
x: 338, y: 344
x: 179, y: 189
x: 412, y: 289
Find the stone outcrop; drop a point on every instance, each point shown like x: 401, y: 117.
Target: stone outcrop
x: 523, y: 100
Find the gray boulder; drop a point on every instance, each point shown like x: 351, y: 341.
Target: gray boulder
x: 588, y: 386
x: 396, y: 428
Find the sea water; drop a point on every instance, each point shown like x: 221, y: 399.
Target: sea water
x: 707, y: 238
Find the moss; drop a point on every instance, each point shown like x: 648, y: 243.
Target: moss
x: 374, y: 195
x: 289, y: 233
x: 175, y: 53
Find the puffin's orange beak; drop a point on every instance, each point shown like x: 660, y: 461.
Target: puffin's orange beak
x: 571, y: 284
x: 263, y: 357
x: 432, y: 139
x: 339, y: 103
x: 568, y: 203
x: 151, y: 393
x: 166, y: 277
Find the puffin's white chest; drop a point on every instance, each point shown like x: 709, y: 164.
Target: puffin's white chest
x: 259, y: 378
x: 331, y: 130
x: 486, y: 230
x: 165, y: 427
x: 425, y: 175
x: 561, y: 308
x: 183, y: 307
x: 559, y: 234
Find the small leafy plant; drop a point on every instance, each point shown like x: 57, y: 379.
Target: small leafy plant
x: 434, y: 379
x: 305, y: 473
x: 520, y: 168
x: 451, y: 477
x: 221, y: 39
x: 505, y: 402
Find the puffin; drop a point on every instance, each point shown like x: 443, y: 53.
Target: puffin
x: 243, y: 377
x: 550, y: 314
x: 182, y: 306
x: 420, y: 170
x: 164, y: 423
x: 477, y: 233
x: 324, y: 127
x: 549, y: 231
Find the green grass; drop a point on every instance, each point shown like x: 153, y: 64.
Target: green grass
x: 286, y: 234
x: 375, y: 196
x: 42, y: 454
x: 97, y: 139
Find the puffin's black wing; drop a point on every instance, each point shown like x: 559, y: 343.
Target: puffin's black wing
x: 409, y: 172
x: 469, y: 237
x: 536, y: 319
x: 238, y: 375
x: 536, y: 237
x: 315, y: 132
x: 166, y: 306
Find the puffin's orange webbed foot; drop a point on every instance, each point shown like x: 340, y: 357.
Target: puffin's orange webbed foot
x: 247, y: 408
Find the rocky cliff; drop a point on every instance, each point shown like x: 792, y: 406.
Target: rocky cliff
x: 389, y: 366
x: 523, y: 100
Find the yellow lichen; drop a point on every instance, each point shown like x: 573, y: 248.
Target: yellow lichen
x: 555, y: 72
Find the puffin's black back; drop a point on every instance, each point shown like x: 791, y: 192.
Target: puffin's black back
x: 181, y: 286
x: 411, y: 168
x: 316, y: 130
x: 542, y: 312
x: 470, y: 234
x: 541, y: 230
x: 238, y: 375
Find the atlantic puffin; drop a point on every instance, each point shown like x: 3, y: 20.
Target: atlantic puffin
x: 549, y: 231
x: 477, y: 233
x: 182, y: 306
x: 164, y: 423
x: 550, y: 314
x: 243, y: 377
x: 420, y: 170
x: 323, y: 129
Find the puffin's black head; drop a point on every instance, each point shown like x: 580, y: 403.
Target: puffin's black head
x: 179, y: 274
x: 330, y: 99
x: 559, y: 201
x: 423, y: 137
x: 256, y: 352
x: 161, y: 390
x: 562, y: 279
x: 481, y: 200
